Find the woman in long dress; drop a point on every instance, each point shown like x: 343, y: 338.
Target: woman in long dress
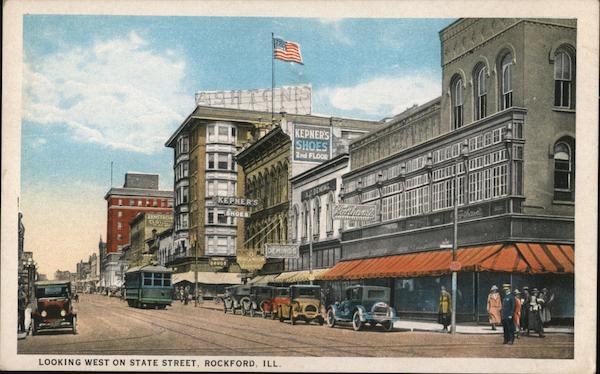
x: 494, y: 305
x: 444, y: 308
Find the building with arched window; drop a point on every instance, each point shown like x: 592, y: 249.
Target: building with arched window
x: 500, y: 144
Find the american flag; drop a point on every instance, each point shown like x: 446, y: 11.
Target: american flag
x: 286, y: 51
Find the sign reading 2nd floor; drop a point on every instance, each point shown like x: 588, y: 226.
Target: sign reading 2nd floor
x: 311, y: 143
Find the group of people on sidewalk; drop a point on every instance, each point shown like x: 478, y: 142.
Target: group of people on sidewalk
x: 517, y: 312
x: 184, y: 295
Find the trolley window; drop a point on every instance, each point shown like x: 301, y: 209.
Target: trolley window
x: 147, y: 279
x: 167, y: 280
x: 157, y: 279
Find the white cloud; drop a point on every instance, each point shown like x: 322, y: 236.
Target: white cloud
x: 335, y: 26
x: 383, y: 95
x: 38, y: 142
x: 119, y: 93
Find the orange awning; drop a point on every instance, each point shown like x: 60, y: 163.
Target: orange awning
x: 532, y: 258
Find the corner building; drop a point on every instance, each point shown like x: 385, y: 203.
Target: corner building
x: 505, y: 123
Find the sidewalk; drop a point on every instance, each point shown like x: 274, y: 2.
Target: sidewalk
x: 429, y: 326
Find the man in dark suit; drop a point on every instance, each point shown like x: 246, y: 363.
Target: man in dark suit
x: 508, y: 312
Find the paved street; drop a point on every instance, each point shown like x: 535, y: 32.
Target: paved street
x: 109, y: 326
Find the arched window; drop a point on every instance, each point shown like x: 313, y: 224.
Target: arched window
x: 506, y: 91
x: 295, y: 219
x: 457, y: 102
x: 329, y: 213
x: 564, y: 169
x: 305, y: 216
x: 316, y: 214
x: 480, y: 89
x: 563, y: 79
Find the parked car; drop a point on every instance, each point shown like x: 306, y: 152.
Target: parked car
x: 259, y: 296
x: 53, y: 307
x: 364, y: 305
x: 281, y: 296
x: 304, y: 304
x: 237, y: 298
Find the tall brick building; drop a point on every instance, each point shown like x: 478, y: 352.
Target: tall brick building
x: 139, y: 194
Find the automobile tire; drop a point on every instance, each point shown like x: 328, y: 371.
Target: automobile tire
x: 321, y: 321
x: 356, y: 322
x: 388, y: 325
x: 74, y: 325
x: 330, y: 318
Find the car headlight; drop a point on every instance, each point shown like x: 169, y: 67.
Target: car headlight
x: 63, y: 313
x: 44, y: 313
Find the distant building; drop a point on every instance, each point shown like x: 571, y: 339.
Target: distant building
x: 139, y: 194
x: 142, y: 228
x: 62, y: 275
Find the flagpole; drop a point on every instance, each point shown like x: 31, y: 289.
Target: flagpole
x: 272, y: 76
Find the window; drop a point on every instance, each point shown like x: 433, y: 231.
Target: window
x: 222, y: 161
x: 480, y: 92
x: 120, y: 201
x: 329, y: 213
x: 457, y: 102
x: 295, y: 217
x: 140, y: 202
x: 220, y: 245
x: 131, y: 202
x: 305, y: 213
x: 119, y: 225
x: 316, y: 221
x: 564, y: 169
x: 211, y: 161
x: 506, y: 81
x: 119, y: 214
x: 562, y: 79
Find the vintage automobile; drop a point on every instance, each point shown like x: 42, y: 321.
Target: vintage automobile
x: 148, y: 286
x: 259, y: 296
x: 237, y: 298
x: 304, y: 304
x: 53, y: 307
x: 364, y: 306
x: 281, y: 296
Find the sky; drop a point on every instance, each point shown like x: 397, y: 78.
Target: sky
x: 102, y: 89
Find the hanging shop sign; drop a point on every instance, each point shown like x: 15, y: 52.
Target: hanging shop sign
x: 217, y: 263
x: 237, y: 213
x: 319, y: 190
x: 282, y: 251
x: 354, y: 212
x: 250, y: 262
x: 290, y: 99
x: 235, y: 201
x: 311, y: 143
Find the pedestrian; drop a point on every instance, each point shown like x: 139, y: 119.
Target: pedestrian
x: 535, y: 318
x: 181, y: 294
x: 494, y: 304
x: 524, y: 320
x: 517, y: 316
x: 508, y: 315
x: 186, y: 294
x: 444, y: 308
x: 22, y: 305
x: 545, y: 311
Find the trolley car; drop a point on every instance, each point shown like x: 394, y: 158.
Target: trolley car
x: 148, y: 286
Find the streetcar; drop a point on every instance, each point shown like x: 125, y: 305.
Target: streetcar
x: 148, y: 286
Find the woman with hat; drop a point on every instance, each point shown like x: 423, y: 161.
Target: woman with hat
x: 524, y: 321
x: 494, y: 305
x: 535, y: 319
x: 517, y: 317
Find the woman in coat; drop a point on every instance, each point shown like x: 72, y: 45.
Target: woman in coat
x: 444, y: 308
x: 517, y: 316
x: 494, y: 305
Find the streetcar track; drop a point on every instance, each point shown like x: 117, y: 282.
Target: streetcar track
x: 148, y: 316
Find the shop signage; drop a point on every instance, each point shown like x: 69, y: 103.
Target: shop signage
x: 319, y: 190
x: 250, y: 262
x: 237, y: 213
x: 290, y: 99
x: 235, y: 201
x: 217, y: 263
x: 354, y: 212
x: 469, y: 213
x: 455, y: 266
x: 282, y: 251
x: 311, y: 143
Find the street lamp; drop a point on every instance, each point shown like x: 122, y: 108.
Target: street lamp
x: 379, y: 185
x: 464, y: 154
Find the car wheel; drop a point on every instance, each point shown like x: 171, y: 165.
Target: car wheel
x: 356, y: 322
x: 74, y: 325
x: 330, y: 318
x: 388, y: 325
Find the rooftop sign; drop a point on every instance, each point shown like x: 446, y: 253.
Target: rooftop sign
x: 311, y: 143
x: 290, y: 99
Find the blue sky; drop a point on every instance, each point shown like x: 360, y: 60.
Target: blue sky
x: 113, y: 88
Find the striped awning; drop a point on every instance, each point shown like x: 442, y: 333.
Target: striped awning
x: 299, y: 276
x: 532, y: 258
x: 263, y: 279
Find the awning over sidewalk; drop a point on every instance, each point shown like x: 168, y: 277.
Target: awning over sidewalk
x: 263, y: 279
x: 531, y: 258
x: 208, y: 278
x: 298, y: 276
